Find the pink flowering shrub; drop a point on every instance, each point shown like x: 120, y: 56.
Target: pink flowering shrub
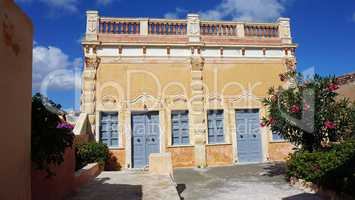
x: 307, y: 113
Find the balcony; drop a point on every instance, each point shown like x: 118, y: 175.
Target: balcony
x: 190, y: 31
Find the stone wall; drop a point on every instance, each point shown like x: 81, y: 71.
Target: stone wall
x: 16, y: 37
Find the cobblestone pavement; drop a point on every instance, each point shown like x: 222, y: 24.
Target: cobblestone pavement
x: 255, y: 182
x: 127, y: 185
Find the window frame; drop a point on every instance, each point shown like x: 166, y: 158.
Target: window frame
x: 279, y: 137
x: 215, y: 134
x: 111, y: 136
x: 180, y: 133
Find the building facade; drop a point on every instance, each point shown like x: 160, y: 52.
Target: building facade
x: 191, y: 87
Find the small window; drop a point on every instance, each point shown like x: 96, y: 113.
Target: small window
x: 277, y: 137
x: 180, y: 127
x: 109, y: 129
x: 215, y: 126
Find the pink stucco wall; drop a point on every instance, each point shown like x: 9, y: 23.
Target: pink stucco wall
x: 64, y: 182
x: 16, y: 40
x: 58, y: 186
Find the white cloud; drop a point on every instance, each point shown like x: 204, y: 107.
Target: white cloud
x: 178, y: 13
x: 256, y: 10
x: 105, y: 2
x: 53, y: 69
x: 64, y: 5
x: 353, y: 17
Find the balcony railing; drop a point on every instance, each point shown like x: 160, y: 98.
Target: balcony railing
x: 117, y: 26
x: 261, y: 30
x: 192, y: 27
x: 167, y: 27
x: 218, y: 29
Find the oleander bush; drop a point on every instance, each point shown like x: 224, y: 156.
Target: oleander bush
x: 91, y: 152
x: 309, y: 113
x: 332, y: 168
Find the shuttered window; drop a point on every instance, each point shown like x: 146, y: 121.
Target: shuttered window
x: 180, y: 127
x: 109, y: 129
x: 277, y: 137
x: 215, y: 126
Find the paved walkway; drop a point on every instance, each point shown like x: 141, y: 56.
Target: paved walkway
x: 127, y: 185
x: 254, y: 182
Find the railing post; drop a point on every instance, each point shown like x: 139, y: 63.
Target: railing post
x: 143, y: 27
x: 92, y: 25
x: 240, y: 30
x: 193, y: 28
x: 284, y: 30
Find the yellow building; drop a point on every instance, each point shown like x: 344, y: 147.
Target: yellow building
x: 191, y: 87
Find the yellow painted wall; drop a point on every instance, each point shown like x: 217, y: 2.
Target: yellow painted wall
x: 122, y: 82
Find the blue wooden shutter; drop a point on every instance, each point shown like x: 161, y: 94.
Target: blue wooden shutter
x: 180, y: 127
x: 215, y: 126
x: 109, y: 129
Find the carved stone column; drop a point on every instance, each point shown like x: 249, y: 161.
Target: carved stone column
x: 198, y: 115
x: 88, y: 99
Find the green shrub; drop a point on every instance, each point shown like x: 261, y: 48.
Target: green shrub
x: 49, y: 135
x: 333, y: 168
x: 91, y: 152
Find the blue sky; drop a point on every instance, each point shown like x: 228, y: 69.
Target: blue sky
x: 323, y: 29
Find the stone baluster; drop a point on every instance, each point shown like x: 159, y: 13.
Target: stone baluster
x: 178, y: 28
x: 101, y: 27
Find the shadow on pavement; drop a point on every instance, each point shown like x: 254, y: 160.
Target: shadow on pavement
x: 275, y: 169
x: 102, y: 189
x: 180, y: 188
x: 303, y: 196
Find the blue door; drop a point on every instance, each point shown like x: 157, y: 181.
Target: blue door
x: 248, y: 136
x: 145, y: 137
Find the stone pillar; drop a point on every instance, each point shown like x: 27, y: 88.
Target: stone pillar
x: 193, y: 28
x: 143, y: 27
x: 92, y: 25
x: 198, y: 115
x: 88, y: 99
x: 240, y: 30
x: 284, y: 30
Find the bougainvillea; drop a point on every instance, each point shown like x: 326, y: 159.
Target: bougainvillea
x: 308, y: 112
x: 50, y: 135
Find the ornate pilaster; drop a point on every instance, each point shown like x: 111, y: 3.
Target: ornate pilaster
x: 291, y: 68
x: 193, y: 28
x: 88, y: 101
x: 284, y: 30
x: 92, y: 25
x: 198, y: 115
